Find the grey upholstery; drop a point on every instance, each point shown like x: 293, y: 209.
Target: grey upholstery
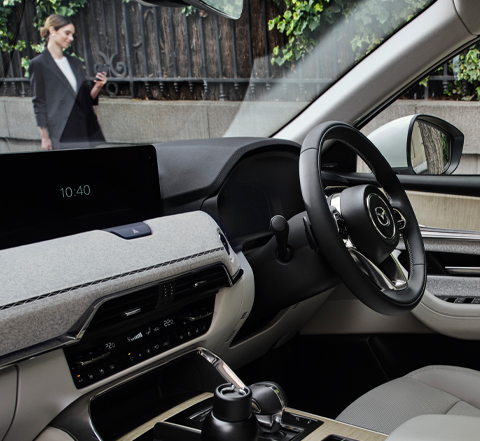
x: 445, y: 390
x: 438, y: 428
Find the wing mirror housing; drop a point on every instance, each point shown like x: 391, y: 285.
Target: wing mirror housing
x: 420, y: 144
x: 226, y: 8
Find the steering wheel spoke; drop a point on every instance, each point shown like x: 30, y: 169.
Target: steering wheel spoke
x: 387, y: 276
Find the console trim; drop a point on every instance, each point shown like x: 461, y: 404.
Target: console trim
x: 329, y: 427
x: 332, y: 427
x: 145, y: 427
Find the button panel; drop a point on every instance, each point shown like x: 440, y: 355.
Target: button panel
x: 102, y: 357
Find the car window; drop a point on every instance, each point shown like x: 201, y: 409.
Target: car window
x: 121, y: 72
x: 450, y: 92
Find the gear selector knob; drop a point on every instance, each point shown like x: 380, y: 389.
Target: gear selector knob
x: 268, y: 403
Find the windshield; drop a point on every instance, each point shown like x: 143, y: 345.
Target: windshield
x: 119, y: 72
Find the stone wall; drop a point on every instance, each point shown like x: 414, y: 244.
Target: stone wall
x: 145, y: 122
x: 127, y: 121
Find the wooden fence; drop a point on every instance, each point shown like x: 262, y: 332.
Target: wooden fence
x: 163, y: 54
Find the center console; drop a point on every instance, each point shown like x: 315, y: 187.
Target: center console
x: 190, y: 398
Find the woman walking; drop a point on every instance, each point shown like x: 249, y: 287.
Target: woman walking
x: 62, y: 99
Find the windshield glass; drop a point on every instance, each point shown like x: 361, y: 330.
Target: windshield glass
x: 120, y: 72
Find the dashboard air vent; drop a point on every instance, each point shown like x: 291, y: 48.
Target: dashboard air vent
x: 205, y: 281
x: 137, y: 304
x: 125, y: 307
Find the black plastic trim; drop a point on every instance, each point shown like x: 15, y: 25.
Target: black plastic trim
x: 462, y: 185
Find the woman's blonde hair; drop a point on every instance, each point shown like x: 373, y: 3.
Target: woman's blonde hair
x: 57, y: 21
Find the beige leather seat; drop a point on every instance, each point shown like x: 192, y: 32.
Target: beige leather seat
x: 444, y: 390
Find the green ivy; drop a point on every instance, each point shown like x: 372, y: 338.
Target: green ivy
x: 189, y: 10
x: 5, y: 36
x: 304, y: 20
x: 43, y: 8
x: 467, y: 82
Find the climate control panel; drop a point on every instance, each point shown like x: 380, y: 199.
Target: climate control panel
x: 105, y: 355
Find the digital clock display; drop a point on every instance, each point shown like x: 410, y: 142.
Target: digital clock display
x: 82, y: 190
x: 57, y: 193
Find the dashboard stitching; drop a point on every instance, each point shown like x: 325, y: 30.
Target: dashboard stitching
x: 118, y: 276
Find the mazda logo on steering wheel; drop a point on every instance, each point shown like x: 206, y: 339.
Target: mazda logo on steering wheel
x: 382, y: 216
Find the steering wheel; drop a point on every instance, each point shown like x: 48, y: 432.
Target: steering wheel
x: 358, y: 229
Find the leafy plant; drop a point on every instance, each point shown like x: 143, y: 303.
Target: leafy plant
x: 43, y: 8
x: 467, y: 76
x: 7, y: 36
x: 189, y: 10
x: 374, y: 20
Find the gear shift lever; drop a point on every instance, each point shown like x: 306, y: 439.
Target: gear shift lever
x: 268, y: 401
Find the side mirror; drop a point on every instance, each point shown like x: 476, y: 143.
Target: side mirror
x: 420, y: 144
x: 227, y: 8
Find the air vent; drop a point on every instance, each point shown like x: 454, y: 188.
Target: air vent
x: 124, y: 308
x: 139, y: 303
x: 201, y: 282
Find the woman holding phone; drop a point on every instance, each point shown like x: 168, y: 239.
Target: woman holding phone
x: 62, y: 99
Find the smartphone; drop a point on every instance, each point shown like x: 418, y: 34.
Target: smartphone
x: 104, y: 68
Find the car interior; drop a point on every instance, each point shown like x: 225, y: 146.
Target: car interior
x: 249, y: 288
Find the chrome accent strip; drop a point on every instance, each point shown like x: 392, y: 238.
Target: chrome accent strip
x: 463, y: 270
x: 446, y: 233
x: 132, y: 312
x: 335, y: 202
x: 86, y: 363
x: 194, y: 319
x: 222, y: 368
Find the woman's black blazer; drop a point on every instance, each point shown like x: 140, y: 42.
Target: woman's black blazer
x: 68, y: 116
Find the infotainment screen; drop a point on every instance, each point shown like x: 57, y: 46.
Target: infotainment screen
x: 44, y: 195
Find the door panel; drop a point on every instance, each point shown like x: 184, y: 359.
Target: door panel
x: 446, y: 210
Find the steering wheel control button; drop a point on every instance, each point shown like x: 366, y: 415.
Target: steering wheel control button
x: 368, y: 218
x: 341, y: 227
x: 399, y: 219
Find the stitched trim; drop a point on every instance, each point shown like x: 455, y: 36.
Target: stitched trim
x: 410, y: 256
x: 108, y: 279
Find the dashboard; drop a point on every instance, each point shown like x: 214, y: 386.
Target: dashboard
x: 91, y: 309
